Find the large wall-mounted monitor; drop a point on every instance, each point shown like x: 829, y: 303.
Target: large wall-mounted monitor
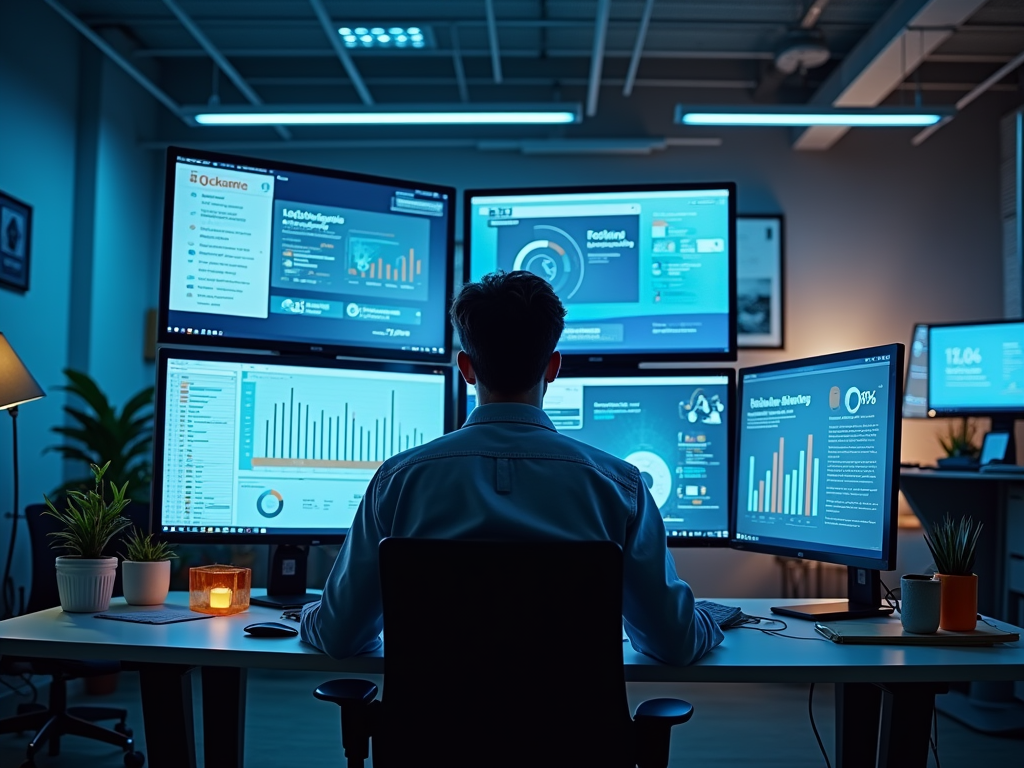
x: 817, y: 458
x: 915, y: 388
x: 257, y: 448
x: 976, y: 369
x: 674, y: 426
x: 646, y: 272
x: 270, y: 255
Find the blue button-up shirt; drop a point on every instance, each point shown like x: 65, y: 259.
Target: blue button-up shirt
x: 508, y: 474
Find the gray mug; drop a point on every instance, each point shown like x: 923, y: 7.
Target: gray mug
x: 920, y: 603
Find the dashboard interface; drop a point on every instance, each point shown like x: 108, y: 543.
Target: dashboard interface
x: 674, y: 429
x: 641, y: 273
x: 977, y: 368
x: 251, y: 446
x: 303, y: 257
x: 816, y: 453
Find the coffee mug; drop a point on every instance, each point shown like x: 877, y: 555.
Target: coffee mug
x: 920, y: 603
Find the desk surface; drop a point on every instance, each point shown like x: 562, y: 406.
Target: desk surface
x: 951, y: 474
x: 746, y: 655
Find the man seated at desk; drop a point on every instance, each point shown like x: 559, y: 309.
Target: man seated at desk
x: 507, y: 474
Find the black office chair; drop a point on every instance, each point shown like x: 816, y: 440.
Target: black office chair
x: 57, y: 719
x: 502, y: 654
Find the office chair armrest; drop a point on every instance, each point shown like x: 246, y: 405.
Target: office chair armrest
x: 654, y: 719
x: 356, y: 700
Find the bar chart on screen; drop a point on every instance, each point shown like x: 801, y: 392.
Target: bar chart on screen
x: 789, y: 483
x: 325, y: 421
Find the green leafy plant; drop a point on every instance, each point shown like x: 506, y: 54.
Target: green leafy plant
x: 98, y: 433
x: 958, y: 439
x: 954, y: 545
x: 141, y: 548
x: 90, y: 522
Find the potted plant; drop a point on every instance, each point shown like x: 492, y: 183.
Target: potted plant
x: 146, y: 571
x: 958, y: 444
x: 85, y: 578
x: 954, y: 545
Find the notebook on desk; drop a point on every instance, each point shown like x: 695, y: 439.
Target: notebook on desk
x: 892, y: 633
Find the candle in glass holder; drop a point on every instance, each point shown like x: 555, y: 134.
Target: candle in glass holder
x: 220, y: 597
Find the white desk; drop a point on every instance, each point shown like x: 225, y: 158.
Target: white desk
x: 218, y: 645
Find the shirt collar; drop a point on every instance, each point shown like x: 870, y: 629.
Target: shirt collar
x: 519, y: 413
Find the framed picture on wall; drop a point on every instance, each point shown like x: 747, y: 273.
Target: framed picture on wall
x: 759, y: 280
x: 15, y: 243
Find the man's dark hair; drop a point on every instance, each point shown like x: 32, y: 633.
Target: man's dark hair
x: 509, y: 324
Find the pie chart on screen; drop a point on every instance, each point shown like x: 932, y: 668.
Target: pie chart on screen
x: 270, y: 503
x: 554, y: 255
x: 655, y: 474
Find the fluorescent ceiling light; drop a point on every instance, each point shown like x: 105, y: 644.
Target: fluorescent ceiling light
x: 798, y: 116
x: 365, y: 36
x: 563, y: 114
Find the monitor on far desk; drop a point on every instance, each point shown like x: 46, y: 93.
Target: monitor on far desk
x: 977, y: 369
x: 915, y: 390
x: 817, y: 456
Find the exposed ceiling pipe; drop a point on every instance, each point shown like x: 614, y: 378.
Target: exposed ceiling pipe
x: 129, y: 69
x: 341, y: 51
x: 641, y: 37
x: 604, y: 8
x: 492, y: 36
x: 460, y: 73
x: 220, y: 60
x: 813, y: 14
x: 970, y: 97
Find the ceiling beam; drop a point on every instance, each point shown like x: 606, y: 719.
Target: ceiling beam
x: 341, y: 51
x: 903, y: 38
x: 220, y: 60
x: 111, y: 53
x: 638, y: 48
x: 460, y: 73
x: 604, y: 8
x: 492, y: 37
x: 516, y: 53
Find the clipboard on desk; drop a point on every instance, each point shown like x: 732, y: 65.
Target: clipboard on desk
x: 892, y: 633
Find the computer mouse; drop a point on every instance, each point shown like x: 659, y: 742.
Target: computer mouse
x: 271, y: 629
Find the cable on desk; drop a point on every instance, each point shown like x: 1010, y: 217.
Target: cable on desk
x: 26, y: 679
x: 773, y: 632
x: 810, y: 712
x: 934, y: 742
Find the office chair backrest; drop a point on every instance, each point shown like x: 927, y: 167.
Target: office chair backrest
x: 502, y: 653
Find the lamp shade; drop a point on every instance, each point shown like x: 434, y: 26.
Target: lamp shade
x: 16, y: 384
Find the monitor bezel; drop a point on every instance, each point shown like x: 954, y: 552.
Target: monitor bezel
x: 597, y: 360
x: 886, y: 559
x: 1013, y: 412
x: 906, y: 379
x: 321, y: 347
x: 569, y: 372
x: 159, y: 431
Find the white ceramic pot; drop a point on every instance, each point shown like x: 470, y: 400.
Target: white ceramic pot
x: 146, y: 583
x: 85, y: 585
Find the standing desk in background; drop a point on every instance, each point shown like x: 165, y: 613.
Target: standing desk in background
x: 903, y: 680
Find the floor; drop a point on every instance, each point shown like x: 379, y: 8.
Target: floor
x: 734, y: 726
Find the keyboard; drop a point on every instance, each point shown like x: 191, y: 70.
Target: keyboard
x: 160, y: 616
x: 725, y: 616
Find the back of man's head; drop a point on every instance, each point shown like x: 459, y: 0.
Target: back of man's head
x: 509, y: 324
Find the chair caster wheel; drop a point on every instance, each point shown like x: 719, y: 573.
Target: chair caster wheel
x: 134, y: 760
x: 124, y: 730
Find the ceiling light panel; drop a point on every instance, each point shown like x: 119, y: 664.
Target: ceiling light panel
x: 386, y: 35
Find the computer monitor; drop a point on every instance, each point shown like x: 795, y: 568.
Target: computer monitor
x: 915, y: 388
x: 261, y: 449
x: 817, y: 458
x: 674, y: 426
x: 977, y: 369
x: 646, y: 272
x: 271, y: 255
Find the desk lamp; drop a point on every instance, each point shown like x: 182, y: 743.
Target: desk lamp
x: 16, y: 387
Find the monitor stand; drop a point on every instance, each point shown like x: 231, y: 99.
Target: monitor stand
x: 286, y: 581
x: 864, y: 587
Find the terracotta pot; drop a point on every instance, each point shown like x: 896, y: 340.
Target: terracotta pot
x: 959, y: 602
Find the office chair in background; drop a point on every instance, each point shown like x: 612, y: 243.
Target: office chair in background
x: 57, y: 719
x: 502, y: 654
